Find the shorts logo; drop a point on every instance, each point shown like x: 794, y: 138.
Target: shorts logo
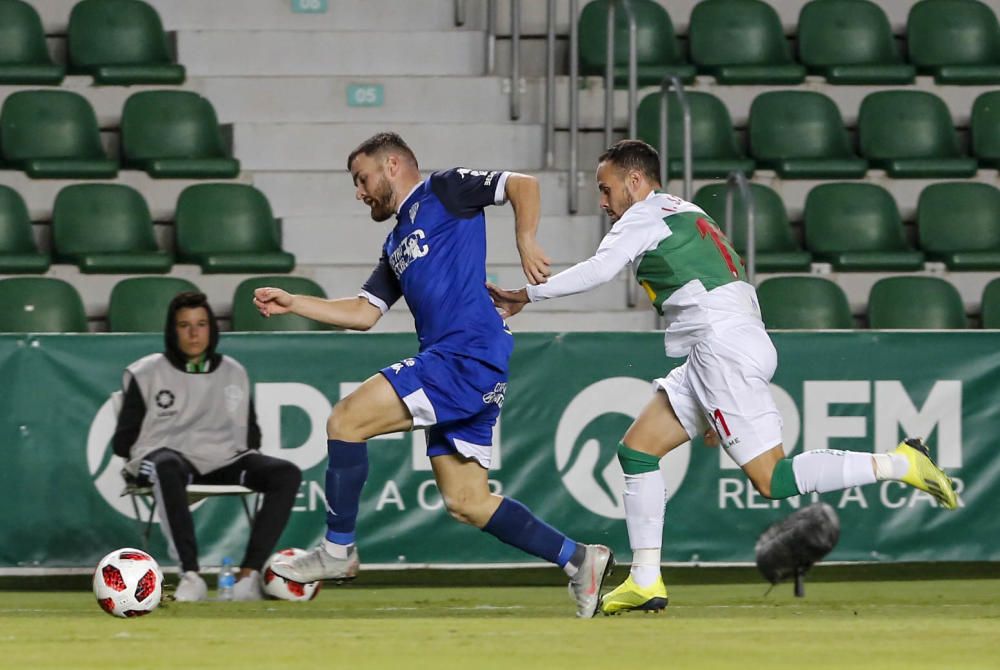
x: 405, y: 363
x: 496, y: 396
x: 589, y: 466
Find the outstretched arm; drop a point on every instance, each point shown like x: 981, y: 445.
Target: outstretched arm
x: 352, y: 313
x: 523, y: 193
x: 585, y: 275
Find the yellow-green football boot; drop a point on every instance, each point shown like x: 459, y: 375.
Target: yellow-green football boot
x: 630, y: 597
x: 924, y: 474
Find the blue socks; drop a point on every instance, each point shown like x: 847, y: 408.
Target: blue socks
x: 346, y: 472
x: 514, y: 524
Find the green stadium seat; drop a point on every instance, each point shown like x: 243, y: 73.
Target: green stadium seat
x: 174, y: 134
x: 741, y: 42
x: 53, y: 134
x: 229, y: 228
x: 857, y: 227
x: 804, y: 303
x: 40, y: 305
x: 106, y: 228
x: 986, y: 129
x: 139, y: 304
x: 24, y: 58
x: 657, y: 55
x: 917, y: 303
x: 957, y: 41
x: 246, y: 316
x: 776, y: 249
x: 120, y: 42
x: 959, y: 224
x: 850, y: 42
x: 910, y: 134
x: 18, y: 253
x: 991, y: 305
x: 800, y: 135
x: 715, y: 152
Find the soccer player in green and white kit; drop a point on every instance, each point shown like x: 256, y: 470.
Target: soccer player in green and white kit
x: 697, y: 281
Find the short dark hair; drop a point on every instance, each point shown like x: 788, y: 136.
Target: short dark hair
x: 634, y: 155
x: 188, y: 300
x: 380, y: 143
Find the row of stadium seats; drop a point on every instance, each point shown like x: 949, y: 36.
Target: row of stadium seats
x: 846, y: 41
x: 115, y: 41
x: 137, y: 304
x: 903, y: 302
x: 857, y: 227
x: 107, y: 228
x: 42, y: 304
x: 53, y: 134
x: 801, y: 135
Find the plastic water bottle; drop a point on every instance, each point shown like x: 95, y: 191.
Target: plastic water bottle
x: 227, y: 579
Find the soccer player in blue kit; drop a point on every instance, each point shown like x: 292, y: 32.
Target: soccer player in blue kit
x: 435, y: 257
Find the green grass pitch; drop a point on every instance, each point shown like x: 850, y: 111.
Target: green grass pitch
x: 874, y: 625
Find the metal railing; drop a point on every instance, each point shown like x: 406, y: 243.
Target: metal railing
x: 515, y: 60
x: 609, y: 72
x: 491, y: 36
x: 550, y: 84
x: 574, y: 108
x: 609, y: 97
x: 674, y: 82
x: 737, y: 181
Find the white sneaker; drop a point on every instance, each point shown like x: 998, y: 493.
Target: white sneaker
x: 191, y: 588
x: 248, y: 588
x: 585, y: 585
x: 316, y: 565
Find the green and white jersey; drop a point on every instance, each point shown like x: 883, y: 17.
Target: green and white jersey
x: 688, y: 268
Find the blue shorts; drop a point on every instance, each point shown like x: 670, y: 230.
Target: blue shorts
x: 456, y: 399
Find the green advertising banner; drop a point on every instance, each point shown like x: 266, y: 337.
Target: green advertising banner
x: 570, y: 399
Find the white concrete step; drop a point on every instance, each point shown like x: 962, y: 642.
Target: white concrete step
x: 298, y: 146
x: 352, y: 237
x: 407, y: 99
x: 325, y: 193
x: 160, y: 194
x: 387, y: 15
x: 348, y: 53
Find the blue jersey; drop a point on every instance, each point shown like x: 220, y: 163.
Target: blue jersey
x: 435, y: 257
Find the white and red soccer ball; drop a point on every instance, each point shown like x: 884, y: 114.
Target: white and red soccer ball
x: 128, y: 583
x: 276, y: 586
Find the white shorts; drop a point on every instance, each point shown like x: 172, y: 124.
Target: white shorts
x: 725, y: 383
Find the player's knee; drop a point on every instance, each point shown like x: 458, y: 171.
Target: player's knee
x: 287, y: 476
x: 341, y: 424
x: 465, y: 507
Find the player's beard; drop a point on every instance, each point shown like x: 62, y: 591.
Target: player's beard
x: 628, y: 202
x: 381, y: 196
